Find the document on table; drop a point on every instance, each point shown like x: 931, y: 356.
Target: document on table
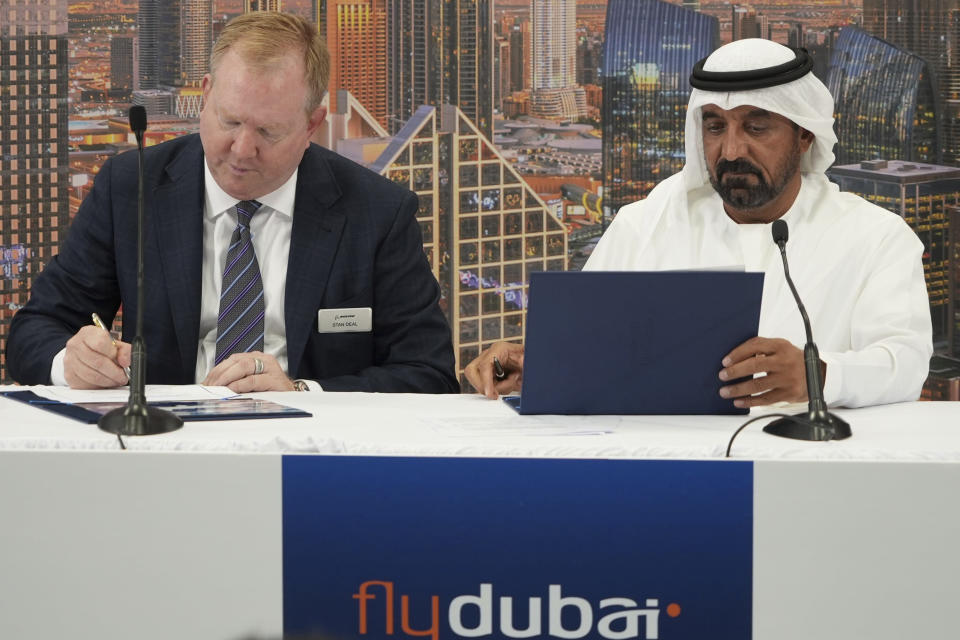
x: 154, y: 393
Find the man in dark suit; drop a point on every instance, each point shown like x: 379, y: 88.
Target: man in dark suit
x: 270, y: 263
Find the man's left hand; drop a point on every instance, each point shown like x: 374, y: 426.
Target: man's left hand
x: 242, y: 374
x: 783, y: 364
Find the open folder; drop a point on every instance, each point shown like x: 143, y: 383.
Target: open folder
x: 642, y: 342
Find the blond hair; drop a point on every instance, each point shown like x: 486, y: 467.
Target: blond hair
x: 263, y: 37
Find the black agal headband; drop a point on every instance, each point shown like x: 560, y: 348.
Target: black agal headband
x: 753, y: 78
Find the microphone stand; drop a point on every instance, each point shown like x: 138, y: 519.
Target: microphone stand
x: 817, y: 423
x: 138, y: 419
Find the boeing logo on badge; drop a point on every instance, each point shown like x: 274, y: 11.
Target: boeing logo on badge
x: 616, y: 617
x: 354, y: 320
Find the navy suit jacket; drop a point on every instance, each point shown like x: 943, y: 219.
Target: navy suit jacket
x: 355, y: 242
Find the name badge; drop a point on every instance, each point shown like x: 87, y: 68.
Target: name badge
x: 355, y: 320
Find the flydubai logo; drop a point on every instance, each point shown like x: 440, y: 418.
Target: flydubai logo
x: 615, y: 617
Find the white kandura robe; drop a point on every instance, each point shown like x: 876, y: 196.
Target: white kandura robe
x: 856, y: 266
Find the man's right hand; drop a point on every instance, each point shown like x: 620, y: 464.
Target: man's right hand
x: 482, y: 374
x: 92, y: 362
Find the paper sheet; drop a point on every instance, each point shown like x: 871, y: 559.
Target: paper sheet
x: 154, y: 393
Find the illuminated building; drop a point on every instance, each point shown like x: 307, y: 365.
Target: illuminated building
x: 196, y: 41
x: 921, y: 194
x: 555, y: 93
x: 589, y: 53
x: 262, y: 5
x: 34, y: 173
x: 158, y: 35
x: 930, y: 30
x: 763, y: 26
x: 520, y: 45
x: 356, y: 31
x: 484, y: 230
x: 650, y: 48
x: 440, y: 52
x: 795, y: 37
x: 174, y: 42
x: 121, y: 63
x: 554, y: 43
x: 884, y: 101
x: 501, y: 72
x: 744, y: 23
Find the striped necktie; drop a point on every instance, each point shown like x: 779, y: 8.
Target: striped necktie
x: 240, y: 321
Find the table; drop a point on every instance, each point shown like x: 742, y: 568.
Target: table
x: 238, y: 529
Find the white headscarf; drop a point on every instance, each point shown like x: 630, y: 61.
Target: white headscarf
x: 805, y: 101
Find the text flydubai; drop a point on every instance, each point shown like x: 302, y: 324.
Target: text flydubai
x: 615, y: 617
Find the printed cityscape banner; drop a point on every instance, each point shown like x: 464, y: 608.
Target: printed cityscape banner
x: 522, y: 129
x: 517, y: 548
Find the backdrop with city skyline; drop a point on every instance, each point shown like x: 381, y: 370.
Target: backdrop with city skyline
x: 522, y: 125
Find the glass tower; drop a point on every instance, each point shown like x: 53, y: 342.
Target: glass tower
x: 650, y: 49
x: 34, y: 174
x: 174, y: 40
x: 929, y: 29
x: 484, y: 230
x: 356, y: 31
x: 440, y: 52
x: 884, y: 101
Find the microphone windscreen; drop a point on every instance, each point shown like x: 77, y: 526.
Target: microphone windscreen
x: 138, y: 118
x: 780, y: 231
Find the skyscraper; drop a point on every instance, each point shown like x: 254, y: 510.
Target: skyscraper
x: 121, y: 62
x: 922, y: 195
x: 356, y: 33
x: 520, y: 45
x: 884, y: 101
x: 744, y: 23
x: 650, y: 48
x: 555, y: 93
x: 484, y: 229
x: 589, y: 54
x: 149, y: 28
x: 262, y: 5
x: 554, y: 43
x: 440, y: 52
x: 196, y: 41
x: 34, y: 174
x: 795, y: 37
x: 501, y: 71
x: 174, y: 40
x: 929, y: 29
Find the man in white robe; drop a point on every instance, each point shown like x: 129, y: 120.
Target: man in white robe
x: 758, y: 141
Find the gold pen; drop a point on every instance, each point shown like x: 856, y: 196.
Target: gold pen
x: 97, y: 321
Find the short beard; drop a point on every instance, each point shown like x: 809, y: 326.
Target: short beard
x: 740, y: 194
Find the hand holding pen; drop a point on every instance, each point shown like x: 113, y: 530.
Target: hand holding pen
x: 98, y: 322
x: 498, y: 370
x: 93, y: 359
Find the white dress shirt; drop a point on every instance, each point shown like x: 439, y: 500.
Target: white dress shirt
x: 270, y: 233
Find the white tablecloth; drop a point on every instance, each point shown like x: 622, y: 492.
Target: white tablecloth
x: 467, y: 425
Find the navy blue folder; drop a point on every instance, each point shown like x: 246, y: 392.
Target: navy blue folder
x: 213, y: 409
x: 641, y: 342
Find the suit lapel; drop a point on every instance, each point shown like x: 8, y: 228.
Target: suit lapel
x: 317, y: 229
x: 177, y: 214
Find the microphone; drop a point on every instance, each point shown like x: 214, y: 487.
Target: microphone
x: 137, y: 419
x: 138, y: 124
x: 817, y: 423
